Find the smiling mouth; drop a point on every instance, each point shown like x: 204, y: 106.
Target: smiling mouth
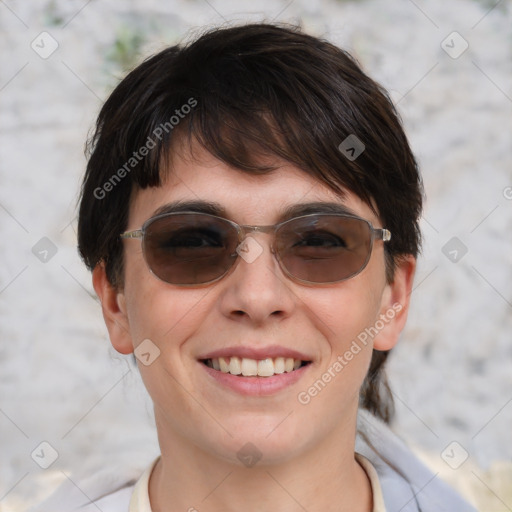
x: 244, y: 367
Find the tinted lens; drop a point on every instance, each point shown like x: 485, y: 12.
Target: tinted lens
x: 324, y: 248
x: 190, y: 248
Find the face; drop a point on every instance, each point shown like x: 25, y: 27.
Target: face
x: 254, y: 313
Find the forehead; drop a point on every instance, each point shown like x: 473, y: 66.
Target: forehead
x: 238, y: 195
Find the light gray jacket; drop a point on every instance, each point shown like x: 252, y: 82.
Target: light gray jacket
x: 407, y: 484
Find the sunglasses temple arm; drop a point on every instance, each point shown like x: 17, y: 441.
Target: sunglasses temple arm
x: 383, y: 234
x: 132, y: 234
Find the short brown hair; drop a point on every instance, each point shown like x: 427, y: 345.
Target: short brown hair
x: 254, y: 90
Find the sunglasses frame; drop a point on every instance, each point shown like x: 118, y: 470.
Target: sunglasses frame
x: 244, y: 230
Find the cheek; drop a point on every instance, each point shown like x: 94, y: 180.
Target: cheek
x: 168, y: 318
x: 346, y: 312
x: 164, y: 315
x: 345, y: 317
x: 158, y: 311
x: 334, y: 386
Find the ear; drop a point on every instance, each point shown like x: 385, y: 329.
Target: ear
x: 113, y: 306
x: 395, y: 304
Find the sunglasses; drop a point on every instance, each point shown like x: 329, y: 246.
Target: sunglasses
x: 189, y: 248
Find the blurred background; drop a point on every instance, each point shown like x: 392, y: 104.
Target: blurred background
x: 448, y: 68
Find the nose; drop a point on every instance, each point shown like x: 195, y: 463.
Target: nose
x: 257, y: 291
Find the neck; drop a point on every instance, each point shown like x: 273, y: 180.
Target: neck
x: 323, y: 478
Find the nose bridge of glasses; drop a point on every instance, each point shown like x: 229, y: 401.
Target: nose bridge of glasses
x: 247, y: 229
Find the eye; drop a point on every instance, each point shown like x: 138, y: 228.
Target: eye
x: 321, y: 240
x: 192, y: 239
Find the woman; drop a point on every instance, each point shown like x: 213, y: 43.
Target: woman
x: 250, y: 216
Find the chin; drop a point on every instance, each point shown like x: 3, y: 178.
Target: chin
x: 259, y: 440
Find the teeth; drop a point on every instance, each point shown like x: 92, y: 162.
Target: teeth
x: 235, y: 366
x: 252, y: 367
x: 266, y: 368
x: 224, y: 365
x: 279, y: 365
x: 249, y: 367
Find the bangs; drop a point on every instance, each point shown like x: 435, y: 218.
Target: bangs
x: 254, y: 105
x: 254, y: 143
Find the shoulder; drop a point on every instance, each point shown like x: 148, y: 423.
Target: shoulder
x: 107, y: 489
x: 118, y: 501
x: 407, y: 484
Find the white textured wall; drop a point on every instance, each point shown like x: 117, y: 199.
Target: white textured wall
x: 452, y: 375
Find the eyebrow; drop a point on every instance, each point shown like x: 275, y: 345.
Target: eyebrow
x: 291, y: 211
x: 197, y: 206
